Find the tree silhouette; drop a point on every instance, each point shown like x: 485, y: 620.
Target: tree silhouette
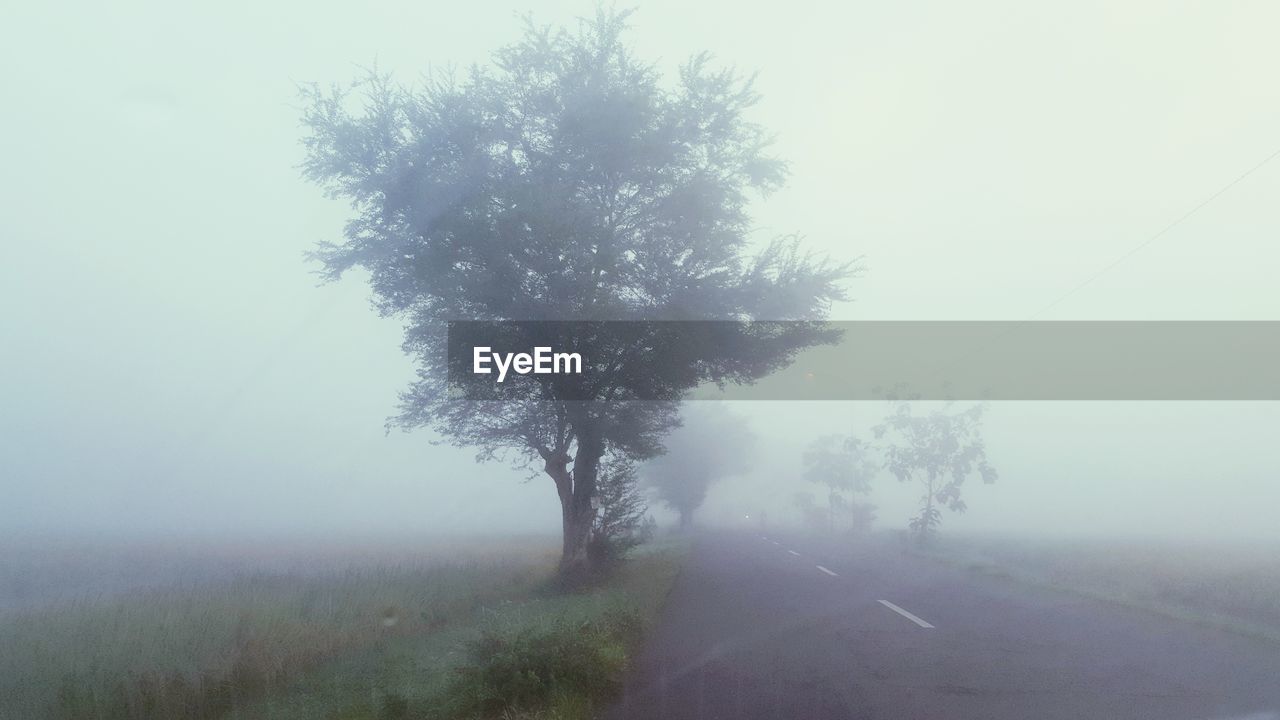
x: 566, y: 181
x: 940, y: 450
x: 712, y: 444
x: 844, y: 465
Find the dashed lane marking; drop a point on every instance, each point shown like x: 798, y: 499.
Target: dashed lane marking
x: 905, y: 614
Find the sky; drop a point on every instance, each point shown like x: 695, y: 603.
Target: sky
x: 171, y: 362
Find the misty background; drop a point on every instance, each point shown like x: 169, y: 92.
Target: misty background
x: 170, y: 363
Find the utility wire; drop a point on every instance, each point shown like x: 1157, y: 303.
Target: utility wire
x: 1138, y: 248
x: 1133, y: 251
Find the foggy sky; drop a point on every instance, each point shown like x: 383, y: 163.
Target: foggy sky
x: 169, y: 362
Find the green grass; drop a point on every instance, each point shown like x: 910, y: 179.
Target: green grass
x: 540, y: 667
x: 1233, y: 586
x: 384, y: 641
x: 457, y: 671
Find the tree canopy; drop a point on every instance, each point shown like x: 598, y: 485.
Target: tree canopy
x: 564, y: 181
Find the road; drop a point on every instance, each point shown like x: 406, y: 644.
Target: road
x: 787, y: 627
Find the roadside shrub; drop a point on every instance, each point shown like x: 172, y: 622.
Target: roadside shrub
x: 621, y: 522
x: 537, y: 667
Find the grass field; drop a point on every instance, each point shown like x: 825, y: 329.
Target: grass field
x: 1235, y: 586
x: 313, y: 632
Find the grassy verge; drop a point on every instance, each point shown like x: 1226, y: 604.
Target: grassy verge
x: 539, y: 654
x: 1235, y: 587
x: 433, y: 638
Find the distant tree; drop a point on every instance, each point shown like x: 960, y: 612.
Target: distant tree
x: 862, y: 515
x: 711, y: 445
x: 565, y: 182
x: 939, y: 450
x: 811, y: 514
x: 845, y: 466
x: 622, y: 520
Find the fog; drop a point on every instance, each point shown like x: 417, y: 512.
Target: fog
x: 172, y: 363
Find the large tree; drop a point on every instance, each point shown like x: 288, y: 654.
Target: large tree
x: 565, y: 181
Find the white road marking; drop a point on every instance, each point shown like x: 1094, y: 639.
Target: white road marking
x: 775, y: 542
x: 905, y: 614
x: 827, y: 571
x: 793, y: 552
x: 763, y: 537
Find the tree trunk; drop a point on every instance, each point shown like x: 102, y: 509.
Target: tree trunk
x: 577, y: 514
x: 927, y: 525
x: 575, y: 563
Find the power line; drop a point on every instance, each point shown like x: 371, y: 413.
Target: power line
x: 1138, y: 248
x: 1133, y: 251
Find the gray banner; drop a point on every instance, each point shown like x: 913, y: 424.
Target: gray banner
x: 1073, y: 360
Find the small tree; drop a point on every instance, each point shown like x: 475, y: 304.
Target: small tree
x: 845, y: 466
x: 621, y: 521
x: 712, y: 444
x: 940, y: 450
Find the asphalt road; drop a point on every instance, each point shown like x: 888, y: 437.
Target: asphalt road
x: 804, y: 629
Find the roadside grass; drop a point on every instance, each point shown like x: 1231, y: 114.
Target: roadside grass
x: 1233, y: 586
x: 545, y: 655
x: 437, y: 637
